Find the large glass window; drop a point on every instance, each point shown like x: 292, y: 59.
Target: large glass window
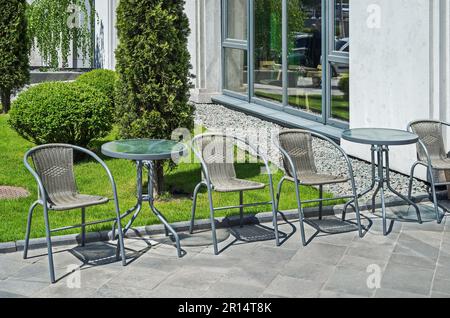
x: 340, y: 91
x: 293, y: 53
x: 235, y: 70
x: 341, y: 25
x: 305, y: 55
x: 237, y: 19
x: 268, y: 67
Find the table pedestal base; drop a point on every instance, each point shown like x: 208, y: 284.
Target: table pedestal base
x: 150, y: 199
x: 382, y: 182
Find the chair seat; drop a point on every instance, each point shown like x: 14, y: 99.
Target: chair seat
x: 441, y: 164
x: 75, y: 201
x: 235, y: 184
x: 318, y: 179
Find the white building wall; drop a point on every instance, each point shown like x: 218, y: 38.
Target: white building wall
x: 204, y: 43
x: 398, y: 68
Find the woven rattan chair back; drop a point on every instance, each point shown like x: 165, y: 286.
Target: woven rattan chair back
x: 298, y: 144
x: 54, y: 165
x: 431, y: 134
x: 217, y: 152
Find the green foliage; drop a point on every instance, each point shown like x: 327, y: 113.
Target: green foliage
x: 55, y: 24
x: 344, y: 86
x: 61, y: 112
x: 153, y: 64
x: 268, y: 26
x: 102, y: 80
x: 14, y: 49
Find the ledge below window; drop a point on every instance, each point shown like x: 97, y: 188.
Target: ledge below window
x: 279, y: 117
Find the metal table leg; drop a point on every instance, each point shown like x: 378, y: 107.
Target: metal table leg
x: 138, y: 207
x: 150, y: 167
x: 384, y: 178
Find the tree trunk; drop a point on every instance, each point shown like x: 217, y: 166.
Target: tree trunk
x: 158, y: 181
x: 6, y: 100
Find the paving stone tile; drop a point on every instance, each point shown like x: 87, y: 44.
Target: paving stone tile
x: 248, y: 274
x: 138, y: 277
x: 308, y: 271
x: 375, y: 252
x: 361, y: 264
x: 417, y: 247
x: 22, y: 287
x: 413, y: 260
x: 441, y: 286
x: 321, y: 253
x: 332, y: 294
x: 407, y: 278
x: 233, y: 290
x: 349, y: 280
x: 5, y: 294
x: 390, y: 293
x: 293, y: 287
x: 439, y: 295
x: 199, y: 278
x: 170, y: 291
x: 63, y: 291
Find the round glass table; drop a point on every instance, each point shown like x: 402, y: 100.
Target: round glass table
x: 380, y: 139
x: 145, y: 152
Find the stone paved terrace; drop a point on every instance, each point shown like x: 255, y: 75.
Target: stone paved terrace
x: 414, y: 261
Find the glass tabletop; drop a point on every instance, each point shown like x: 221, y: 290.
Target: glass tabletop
x: 143, y: 149
x: 380, y: 136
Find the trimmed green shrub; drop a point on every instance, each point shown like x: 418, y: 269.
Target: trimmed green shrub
x: 61, y: 112
x: 102, y: 80
x: 14, y: 49
x: 153, y: 64
x: 344, y: 86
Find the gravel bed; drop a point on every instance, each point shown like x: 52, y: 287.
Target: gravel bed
x: 216, y: 117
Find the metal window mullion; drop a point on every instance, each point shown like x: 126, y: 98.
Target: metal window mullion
x: 326, y: 83
x: 284, y: 53
x: 250, y: 48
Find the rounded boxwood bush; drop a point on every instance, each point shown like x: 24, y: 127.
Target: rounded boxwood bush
x: 102, y: 80
x: 58, y: 112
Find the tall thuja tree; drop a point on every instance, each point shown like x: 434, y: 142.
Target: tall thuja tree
x: 153, y: 65
x: 14, y: 49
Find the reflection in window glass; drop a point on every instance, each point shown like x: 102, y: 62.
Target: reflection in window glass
x: 237, y: 19
x: 341, y: 25
x: 305, y: 55
x: 340, y: 91
x: 268, y: 74
x: 235, y: 70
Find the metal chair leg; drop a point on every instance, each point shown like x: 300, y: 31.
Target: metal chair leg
x: 83, y: 227
x: 434, y: 195
x: 51, y: 267
x: 213, y: 223
x: 300, y: 214
x: 241, y: 209
x: 27, y: 235
x: 120, y: 241
x: 320, y: 202
x: 357, y: 211
x: 194, y: 207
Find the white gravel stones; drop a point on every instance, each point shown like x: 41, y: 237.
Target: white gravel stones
x: 258, y: 131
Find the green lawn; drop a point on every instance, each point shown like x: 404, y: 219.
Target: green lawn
x: 92, y: 180
x: 340, y: 105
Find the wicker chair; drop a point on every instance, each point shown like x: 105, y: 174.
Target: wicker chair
x: 296, y: 148
x: 431, y: 153
x: 57, y: 191
x: 216, y: 154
